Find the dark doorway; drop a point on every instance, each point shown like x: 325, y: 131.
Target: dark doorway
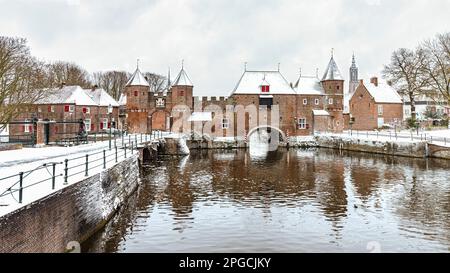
x: 46, y: 132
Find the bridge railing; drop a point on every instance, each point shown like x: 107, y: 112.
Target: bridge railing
x: 52, y: 175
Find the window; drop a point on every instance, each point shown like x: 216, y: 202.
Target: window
x: 305, y: 101
x: 265, y: 88
x: 39, y: 110
x: 69, y: 108
x: 337, y: 87
x: 104, y: 124
x: 181, y: 92
x: 266, y: 101
x: 380, y: 110
x: 87, y: 124
x: 330, y: 101
x: 86, y: 110
x: 26, y: 127
x: 51, y: 109
x: 135, y: 93
x: 225, y: 123
x: 302, y: 123
x: 316, y: 101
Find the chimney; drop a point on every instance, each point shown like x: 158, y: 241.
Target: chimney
x: 374, y: 80
x: 146, y: 78
x: 389, y: 83
x: 62, y: 85
x: 94, y: 87
x: 361, y: 82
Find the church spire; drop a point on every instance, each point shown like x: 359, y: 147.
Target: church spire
x: 353, y: 83
x: 168, y: 79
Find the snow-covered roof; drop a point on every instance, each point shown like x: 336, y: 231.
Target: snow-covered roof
x: 123, y: 99
x: 383, y: 93
x: 200, y: 116
x: 137, y: 79
x: 182, y: 79
x: 250, y: 83
x: 309, y: 85
x: 332, y: 72
x: 67, y: 95
x: 320, y: 113
x: 101, y: 97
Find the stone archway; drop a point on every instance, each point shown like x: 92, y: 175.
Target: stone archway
x: 270, y: 130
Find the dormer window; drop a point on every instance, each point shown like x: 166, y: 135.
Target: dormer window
x: 265, y: 88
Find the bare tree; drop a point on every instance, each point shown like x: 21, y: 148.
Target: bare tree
x: 112, y: 81
x: 22, y: 78
x: 405, y: 71
x: 437, y: 69
x: 68, y: 73
x: 158, y: 83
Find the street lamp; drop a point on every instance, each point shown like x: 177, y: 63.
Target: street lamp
x: 352, y: 120
x: 110, y: 110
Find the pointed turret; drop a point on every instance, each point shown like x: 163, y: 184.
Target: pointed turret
x: 332, y: 72
x: 137, y: 79
x: 333, y: 85
x: 182, y: 89
x: 182, y: 79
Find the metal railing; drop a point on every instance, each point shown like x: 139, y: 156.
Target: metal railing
x: 413, y: 136
x: 93, y: 162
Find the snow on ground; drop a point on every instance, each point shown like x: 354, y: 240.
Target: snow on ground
x: 438, y: 137
x: 29, y: 159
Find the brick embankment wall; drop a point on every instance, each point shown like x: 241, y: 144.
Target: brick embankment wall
x: 409, y: 149
x: 71, y: 214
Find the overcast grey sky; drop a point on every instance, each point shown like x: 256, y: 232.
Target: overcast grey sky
x: 215, y: 38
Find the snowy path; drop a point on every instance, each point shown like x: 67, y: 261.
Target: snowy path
x: 37, y: 178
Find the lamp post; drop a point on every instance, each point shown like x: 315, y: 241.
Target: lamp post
x: 110, y: 110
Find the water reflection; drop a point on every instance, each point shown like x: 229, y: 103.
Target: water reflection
x: 284, y: 201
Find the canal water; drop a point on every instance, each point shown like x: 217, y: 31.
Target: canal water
x: 316, y: 200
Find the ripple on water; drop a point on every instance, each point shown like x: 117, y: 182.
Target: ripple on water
x: 286, y: 201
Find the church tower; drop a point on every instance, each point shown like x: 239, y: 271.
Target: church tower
x: 353, y: 83
x: 333, y: 85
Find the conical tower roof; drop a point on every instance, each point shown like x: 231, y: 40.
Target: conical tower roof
x: 137, y: 79
x: 332, y: 72
x: 182, y: 79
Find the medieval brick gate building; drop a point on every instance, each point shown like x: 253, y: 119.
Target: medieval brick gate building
x: 310, y: 105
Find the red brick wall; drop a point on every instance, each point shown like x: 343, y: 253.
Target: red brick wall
x: 159, y: 120
x: 335, y: 90
x: 392, y: 112
x: 70, y: 214
x: 137, y: 108
x: 364, y: 110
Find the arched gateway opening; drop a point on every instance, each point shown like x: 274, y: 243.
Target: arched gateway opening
x: 266, y: 133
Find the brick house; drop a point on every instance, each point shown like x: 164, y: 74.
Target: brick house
x: 374, y: 105
x: 64, y: 109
